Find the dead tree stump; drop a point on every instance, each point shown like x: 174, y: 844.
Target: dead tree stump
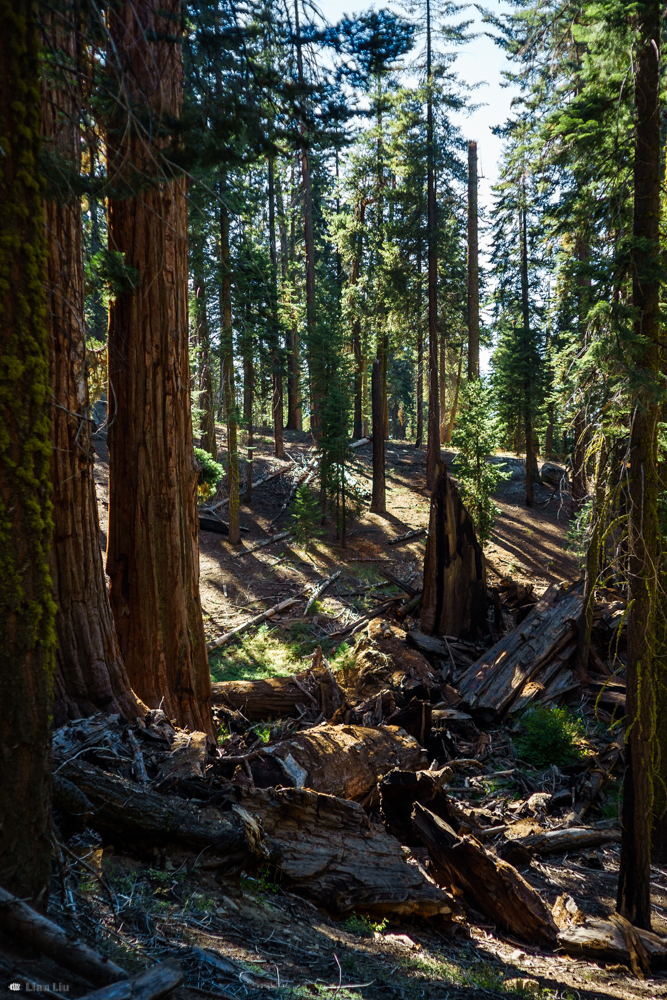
x: 454, y: 601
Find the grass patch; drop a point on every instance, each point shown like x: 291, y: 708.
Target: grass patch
x: 272, y: 653
x: 363, y: 926
x: 549, y: 736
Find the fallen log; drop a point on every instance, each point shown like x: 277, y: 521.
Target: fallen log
x: 130, y: 814
x: 413, y: 533
x: 492, y: 886
x: 319, y: 590
x: 260, y: 545
x: 278, y: 697
x: 571, y: 839
x: 612, y: 940
x: 257, y: 620
x: 496, y: 680
x: 548, y: 683
x: 344, y: 761
x: 260, y: 482
x: 20, y: 920
x: 405, y: 587
x: 216, y: 526
x: 151, y: 984
x: 455, y: 595
x: 360, y: 443
x: 328, y: 850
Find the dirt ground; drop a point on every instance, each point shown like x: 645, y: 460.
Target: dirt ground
x: 301, y: 951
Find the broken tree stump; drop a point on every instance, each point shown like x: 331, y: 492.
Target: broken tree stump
x: 492, y: 886
x: 454, y: 599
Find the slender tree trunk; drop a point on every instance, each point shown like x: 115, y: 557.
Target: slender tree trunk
x: 356, y: 330
x: 27, y: 610
x: 90, y: 674
x: 473, y: 265
x: 378, y: 500
x: 592, y: 564
x: 248, y: 388
x: 276, y: 359
x: 634, y: 899
x: 549, y: 435
x: 443, y: 386
x: 227, y: 375
x: 433, y: 439
x: 208, y: 439
x: 455, y: 404
x: 419, y: 438
x: 527, y: 357
x: 579, y: 478
x: 291, y: 337
x: 152, y: 552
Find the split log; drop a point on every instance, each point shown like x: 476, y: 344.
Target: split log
x: 278, y: 697
x: 319, y: 590
x: 494, y: 682
x: 344, y: 761
x: 572, y: 839
x: 151, y: 984
x: 329, y: 851
x: 257, y: 620
x: 455, y: 596
x: 260, y: 545
x: 492, y: 886
x: 131, y: 815
x: 413, y: 533
x: 20, y: 920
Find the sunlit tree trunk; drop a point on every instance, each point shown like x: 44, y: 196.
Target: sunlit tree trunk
x: 433, y: 437
x: 203, y: 340
x: 419, y: 436
x: 473, y: 265
x: 527, y: 359
x: 227, y: 374
x: 152, y: 552
x: 27, y: 609
x: 276, y: 359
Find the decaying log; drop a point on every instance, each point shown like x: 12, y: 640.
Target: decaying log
x: 187, y: 759
x: 492, y: 886
x: 549, y: 681
x: 399, y: 790
x: 319, y: 590
x: 454, y: 601
x: 413, y: 533
x: 278, y: 697
x: 257, y: 620
x: 281, y: 536
x: 574, y: 838
x: 494, y: 682
x: 383, y: 659
x: 329, y: 851
x: 129, y: 814
x: 151, y: 984
x: 611, y: 940
x: 344, y: 761
x: 19, y: 919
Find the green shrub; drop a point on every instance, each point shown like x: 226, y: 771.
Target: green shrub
x: 549, y: 736
x: 363, y: 926
x: 210, y: 474
x: 306, y: 517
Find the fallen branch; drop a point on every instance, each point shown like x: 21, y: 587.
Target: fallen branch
x: 320, y: 590
x: 256, y: 485
x: 375, y: 613
x: 360, y: 443
x: 408, y: 534
x: 260, y: 545
x: 19, y: 919
x: 574, y: 838
x: 303, y: 479
x: 405, y: 587
x: 147, y: 985
x: 257, y: 620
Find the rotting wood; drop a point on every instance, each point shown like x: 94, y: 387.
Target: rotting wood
x: 319, y: 590
x: 328, y: 850
x: 260, y: 545
x: 607, y: 940
x: 19, y: 919
x: 278, y: 697
x: 344, y: 761
x: 492, y: 886
x: 413, y: 533
x: 257, y: 620
x: 151, y: 984
x: 499, y: 676
x: 455, y: 595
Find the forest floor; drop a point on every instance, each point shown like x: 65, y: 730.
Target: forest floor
x: 300, y: 951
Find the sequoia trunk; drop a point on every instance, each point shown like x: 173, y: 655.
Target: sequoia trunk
x: 152, y: 552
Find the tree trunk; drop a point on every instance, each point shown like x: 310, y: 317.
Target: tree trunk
x: 248, y: 387
x: 419, y: 437
x: 152, y: 553
x: 443, y: 386
x: 208, y: 440
x: 356, y: 331
x: 276, y: 359
x: 378, y: 501
x: 473, y: 265
x: 527, y: 357
x: 592, y: 564
x: 227, y: 375
x: 549, y: 436
x: 579, y: 483
x: 433, y: 439
x: 455, y: 404
x: 27, y: 610
x: 634, y: 900
x: 90, y: 674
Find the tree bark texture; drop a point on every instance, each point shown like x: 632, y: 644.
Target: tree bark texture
x: 90, y: 673
x: 473, y: 265
x: 27, y: 609
x: 152, y: 552
x: 634, y: 900
x: 527, y: 357
x: 454, y: 601
x: 433, y: 434
x: 276, y: 358
x: 378, y: 500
